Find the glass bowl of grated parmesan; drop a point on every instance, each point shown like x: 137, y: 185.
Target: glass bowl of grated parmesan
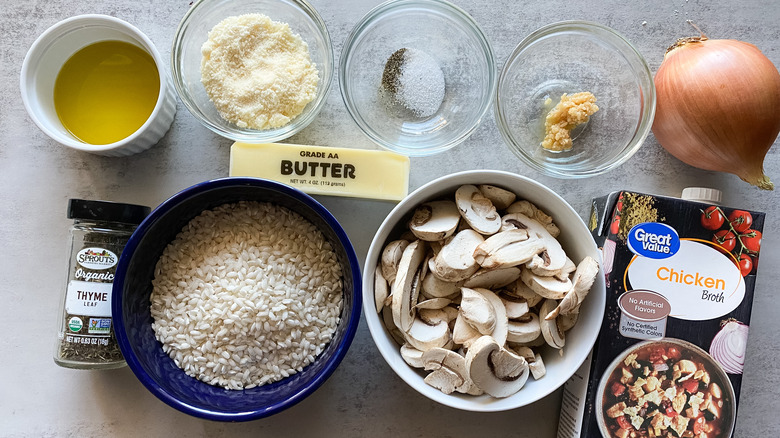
x: 255, y: 71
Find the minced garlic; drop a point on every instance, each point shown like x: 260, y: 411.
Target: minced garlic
x: 571, y: 111
x: 257, y: 73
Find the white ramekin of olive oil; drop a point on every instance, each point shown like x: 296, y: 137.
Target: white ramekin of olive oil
x: 97, y: 84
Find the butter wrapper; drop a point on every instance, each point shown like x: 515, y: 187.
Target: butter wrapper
x: 320, y: 170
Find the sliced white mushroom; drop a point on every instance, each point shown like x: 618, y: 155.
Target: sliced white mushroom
x: 552, y: 259
x: 455, y: 261
x: 444, y: 299
x: 516, y: 307
x: 424, y: 336
x: 538, y: 342
x: 452, y: 313
x: 524, y: 329
x: 568, y: 321
x: 435, y: 220
x: 412, y: 356
x: 437, y: 358
x: 406, y: 286
x: 381, y: 289
x: 477, y: 210
x: 494, y: 369
x: 433, y: 316
x: 433, y: 303
x: 470, y: 388
x: 582, y: 281
x: 444, y: 379
x: 477, y: 311
x: 530, y: 210
x: 455, y: 298
x: 507, y: 248
x: 437, y: 288
x: 408, y: 236
x: 501, y: 198
x: 537, y: 367
x: 534, y: 361
x: 493, y: 278
x: 463, y: 333
x: 422, y: 296
x: 548, y: 287
x: 525, y: 352
x: 395, y: 333
x: 500, y: 331
x: 521, y: 290
x: 391, y: 255
x: 567, y: 269
x: 437, y: 245
x: 551, y: 330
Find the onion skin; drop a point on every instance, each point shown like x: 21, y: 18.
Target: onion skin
x: 718, y: 106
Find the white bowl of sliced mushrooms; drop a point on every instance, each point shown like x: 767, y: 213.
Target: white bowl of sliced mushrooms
x: 483, y: 290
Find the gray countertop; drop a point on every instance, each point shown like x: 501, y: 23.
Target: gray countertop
x: 363, y: 397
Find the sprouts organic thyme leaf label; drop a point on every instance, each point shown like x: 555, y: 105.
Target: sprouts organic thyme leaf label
x: 86, y: 337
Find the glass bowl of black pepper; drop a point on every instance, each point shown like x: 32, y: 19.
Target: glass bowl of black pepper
x: 574, y: 99
x: 417, y: 76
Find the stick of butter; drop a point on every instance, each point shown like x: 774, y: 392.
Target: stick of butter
x: 321, y: 170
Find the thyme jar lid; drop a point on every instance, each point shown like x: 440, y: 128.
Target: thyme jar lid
x: 107, y: 211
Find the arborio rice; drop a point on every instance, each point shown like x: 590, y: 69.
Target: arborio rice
x: 247, y: 294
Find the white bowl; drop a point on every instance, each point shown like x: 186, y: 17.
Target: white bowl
x: 55, y: 46
x: 575, y: 239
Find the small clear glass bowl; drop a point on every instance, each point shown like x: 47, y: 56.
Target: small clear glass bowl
x: 570, y: 57
x: 186, y: 57
x: 453, y: 39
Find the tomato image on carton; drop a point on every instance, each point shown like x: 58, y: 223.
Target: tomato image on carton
x: 680, y: 278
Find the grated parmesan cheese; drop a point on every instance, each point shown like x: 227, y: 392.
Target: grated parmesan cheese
x: 258, y: 74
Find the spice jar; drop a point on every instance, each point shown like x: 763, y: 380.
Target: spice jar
x: 100, y: 230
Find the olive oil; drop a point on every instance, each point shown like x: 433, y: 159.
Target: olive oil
x: 106, y: 91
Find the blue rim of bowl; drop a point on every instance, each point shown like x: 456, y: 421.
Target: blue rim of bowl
x: 131, y: 246
x: 258, y: 136
x: 648, y: 102
x: 371, y: 16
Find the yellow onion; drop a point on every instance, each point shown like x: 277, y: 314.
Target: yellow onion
x: 718, y: 106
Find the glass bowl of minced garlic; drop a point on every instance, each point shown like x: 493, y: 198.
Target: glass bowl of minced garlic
x: 255, y: 71
x: 575, y: 99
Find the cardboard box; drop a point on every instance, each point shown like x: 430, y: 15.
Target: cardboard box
x: 668, y: 361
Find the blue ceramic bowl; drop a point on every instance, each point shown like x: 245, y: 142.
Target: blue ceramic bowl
x: 133, y: 320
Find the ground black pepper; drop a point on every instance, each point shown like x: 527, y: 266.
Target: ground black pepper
x: 414, y: 80
x: 391, y: 75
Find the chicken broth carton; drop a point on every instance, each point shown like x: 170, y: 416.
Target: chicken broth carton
x: 668, y: 361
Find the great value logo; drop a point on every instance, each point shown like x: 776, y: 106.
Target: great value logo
x: 653, y: 240
x: 96, y: 258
